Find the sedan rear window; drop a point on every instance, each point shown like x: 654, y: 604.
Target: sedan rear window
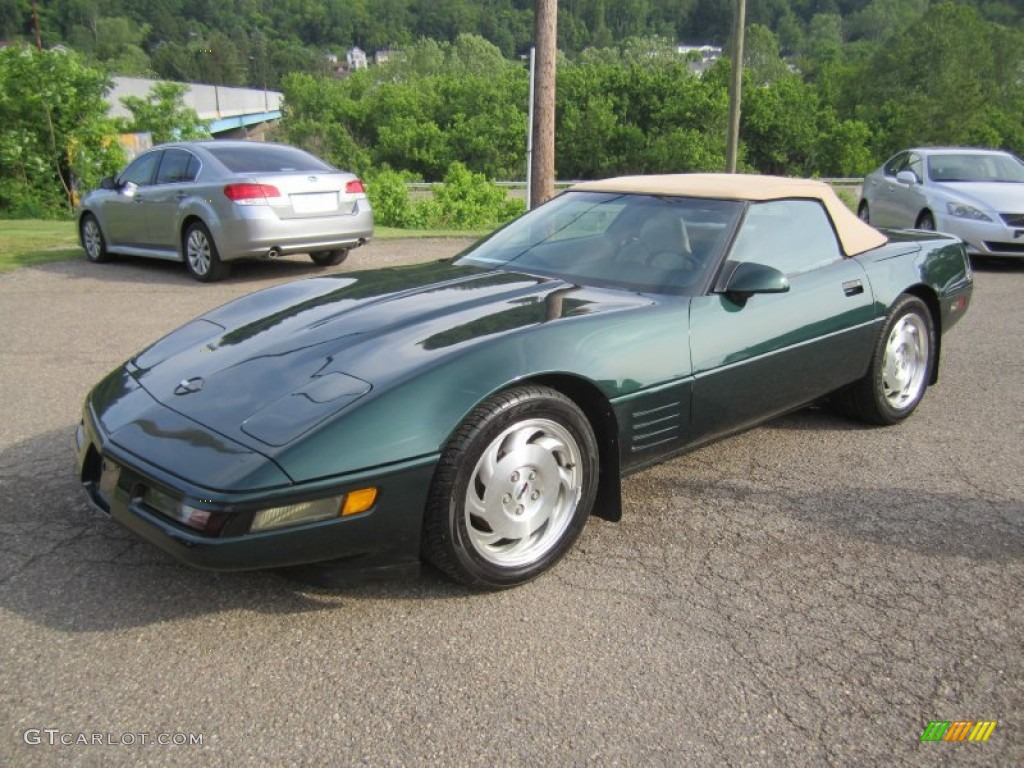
x: 268, y: 158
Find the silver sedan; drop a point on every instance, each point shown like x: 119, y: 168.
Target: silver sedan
x: 210, y: 203
x: 975, y: 194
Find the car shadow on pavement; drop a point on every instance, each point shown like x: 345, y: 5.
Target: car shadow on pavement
x: 996, y: 264
x: 153, y: 272
x: 66, y: 566
x: 816, y: 418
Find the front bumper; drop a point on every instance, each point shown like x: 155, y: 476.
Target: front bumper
x: 984, y: 238
x: 387, y: 535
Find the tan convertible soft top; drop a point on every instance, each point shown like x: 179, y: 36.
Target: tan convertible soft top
x: 855, y: 235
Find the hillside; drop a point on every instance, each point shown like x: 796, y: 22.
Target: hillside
x: 256, y: 42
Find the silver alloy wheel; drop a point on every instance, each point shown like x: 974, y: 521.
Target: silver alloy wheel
x: 905, y: 366
x: 197, y: 251
x: 523, y: 493
x: 92, y: 238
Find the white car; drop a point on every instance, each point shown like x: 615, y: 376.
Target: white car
x: 210, y: 203
x: 975, y: 194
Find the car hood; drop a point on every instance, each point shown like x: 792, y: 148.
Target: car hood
x: 995, y: 196
x: 266, y: 369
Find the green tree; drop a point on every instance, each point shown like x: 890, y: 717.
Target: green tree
x: 761, y: 56
x: 163, y: 113
x: 116, y: 42
x: 950, y: 78
x: 880, y: 19
x: 55, y: 135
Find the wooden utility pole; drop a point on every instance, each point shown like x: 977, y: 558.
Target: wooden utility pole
x: 35, y: 22
x: 732, y: 146
x: 545, y: 38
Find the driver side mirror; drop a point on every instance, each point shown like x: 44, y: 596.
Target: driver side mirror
x: 107, y: 182
x: 907, y: 177
x: 128, y: 189
x: 750, y: 278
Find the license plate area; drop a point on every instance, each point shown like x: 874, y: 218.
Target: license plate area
x: 315, y: 202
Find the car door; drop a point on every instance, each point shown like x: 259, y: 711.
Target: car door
x: 899, y: 203
x: 877, y: 188
x: 769, y: 353
x: 124, y: 219
x: 174, y: 179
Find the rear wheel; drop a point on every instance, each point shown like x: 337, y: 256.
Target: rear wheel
x: 926, y: 221
x: 864, y: 212
x: 513, y: 489
x: 901, y: 367
x: 92, y: 240
x: 201, y: 256
x: 329, y: 258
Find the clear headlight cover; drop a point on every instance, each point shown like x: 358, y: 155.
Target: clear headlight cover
x: 295, y: 514
x: 964, y: 211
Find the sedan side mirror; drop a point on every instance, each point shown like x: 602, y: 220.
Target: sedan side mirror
x: 749, y: 278
x: 907, y: 177
x: 107, y: 182
x: 128, y: 189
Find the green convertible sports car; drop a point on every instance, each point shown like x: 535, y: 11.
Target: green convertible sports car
x: 474, y: 412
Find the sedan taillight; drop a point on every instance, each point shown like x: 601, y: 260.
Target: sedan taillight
x: 251, y: 194
x: 355, y: 187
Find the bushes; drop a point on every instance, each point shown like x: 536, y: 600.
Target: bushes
x: 465, y: 200
x: 55, y: 136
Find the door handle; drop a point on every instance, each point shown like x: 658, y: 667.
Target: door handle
x: 853, y: 287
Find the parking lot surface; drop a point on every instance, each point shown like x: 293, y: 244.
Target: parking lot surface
x: 811, y: 592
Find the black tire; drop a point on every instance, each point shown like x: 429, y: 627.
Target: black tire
x: 531, y: 452
x: 863, y: 212
x: 901, y: 367
x: 926, y: 221
x: 202, y: 259
x: 93, y: 241
x: 329, y: 258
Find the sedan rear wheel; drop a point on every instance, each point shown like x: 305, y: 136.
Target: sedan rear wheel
x: 201, y: 256
x: 513, y: 489
x: 93, y: 241
x: 901, y: 366
x: 329, y: 258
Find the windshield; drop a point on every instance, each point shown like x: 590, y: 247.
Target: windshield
x: 637, y: 242
x: 971, y: 167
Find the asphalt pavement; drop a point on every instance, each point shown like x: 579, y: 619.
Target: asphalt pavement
x: 813, y: 592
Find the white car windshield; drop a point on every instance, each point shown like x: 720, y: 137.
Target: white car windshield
x: 970, y: 167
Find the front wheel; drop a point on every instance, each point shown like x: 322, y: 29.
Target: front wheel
x: 201, y: 256
x: 513, y: 489
x: 926, y: 221
x: 93, y: 242
x: 864, y: 212
x: 901, y: 366
x: 329, y: 258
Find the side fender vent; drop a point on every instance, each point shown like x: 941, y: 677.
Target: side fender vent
x: 652, y: 427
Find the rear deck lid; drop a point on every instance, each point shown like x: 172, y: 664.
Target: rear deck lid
x: 294, y: 183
